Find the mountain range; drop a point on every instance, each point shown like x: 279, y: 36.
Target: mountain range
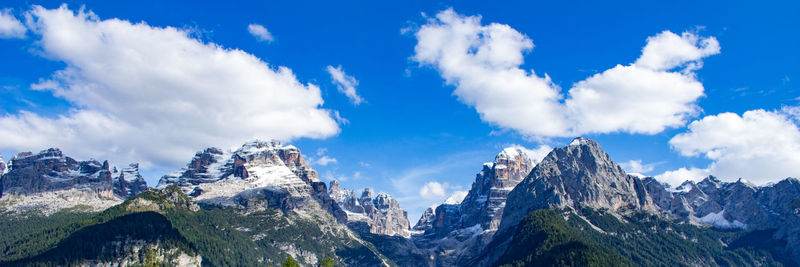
x: 261, y: 204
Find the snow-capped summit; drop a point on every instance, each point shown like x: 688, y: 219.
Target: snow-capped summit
x: 257, y: 163
x: 258, y: 170
x: 49, y: 181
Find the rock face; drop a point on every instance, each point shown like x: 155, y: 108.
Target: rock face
x: 458, y: 230
x: 129, y: 182
x: 50, y: 181
x: 580, y: 175
x: 379, y: 215
x: 727, y: 205
x: 258, y: 172
x: 425, y: 221
x: 50, y: 170
x: 735, y: 205
x: 2, y: 165
x: 486, y: 200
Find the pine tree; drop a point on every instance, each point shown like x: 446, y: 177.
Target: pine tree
x: 290, y: 262
x: 327, y: 262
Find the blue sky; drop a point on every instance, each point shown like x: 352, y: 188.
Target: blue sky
x: 411, y: 127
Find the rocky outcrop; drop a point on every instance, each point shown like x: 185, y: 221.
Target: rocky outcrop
x: 379, y: 215
x: 2, y: 166
x: 258, y: 171
x: 425, y: 221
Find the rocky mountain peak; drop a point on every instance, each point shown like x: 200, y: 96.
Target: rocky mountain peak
x: 379, y: 215
x: 129, y: 183
x: 578, y: 175
x: 50, y: 170
x: 335, y: 187
x: 366, y: 193
x: 49, y: 181
x: 464, y: 226
x: 258, y: 174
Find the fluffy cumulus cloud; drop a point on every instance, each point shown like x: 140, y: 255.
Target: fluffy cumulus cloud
x: 157, y: 95
x: 482, y: 62
x: 260, y: 33
x: 433, y: 190
x: 656, y: 92
x: 10, y: 26
x: 345, y: 83
x: 761, y: 146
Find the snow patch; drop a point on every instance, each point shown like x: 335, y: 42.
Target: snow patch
x: 718, y: 220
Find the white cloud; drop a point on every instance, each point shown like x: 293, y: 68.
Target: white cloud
x: 260, y: 33
x: 156, y: 95
x: 345, y: 83
x: 10, y: 26
x: 761, y: 146
x: 636, y: 166
x: 483, y: 63
x: 324, y: 160
x: 677, y: 177
x: 433, y: 190
x: 321, y: 158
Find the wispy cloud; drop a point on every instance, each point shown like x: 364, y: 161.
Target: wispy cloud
x: 260, y: 33
x: 345, y: 83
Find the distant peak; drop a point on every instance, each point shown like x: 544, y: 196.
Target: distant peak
x: 578, y: 141
x: 513, y: 153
